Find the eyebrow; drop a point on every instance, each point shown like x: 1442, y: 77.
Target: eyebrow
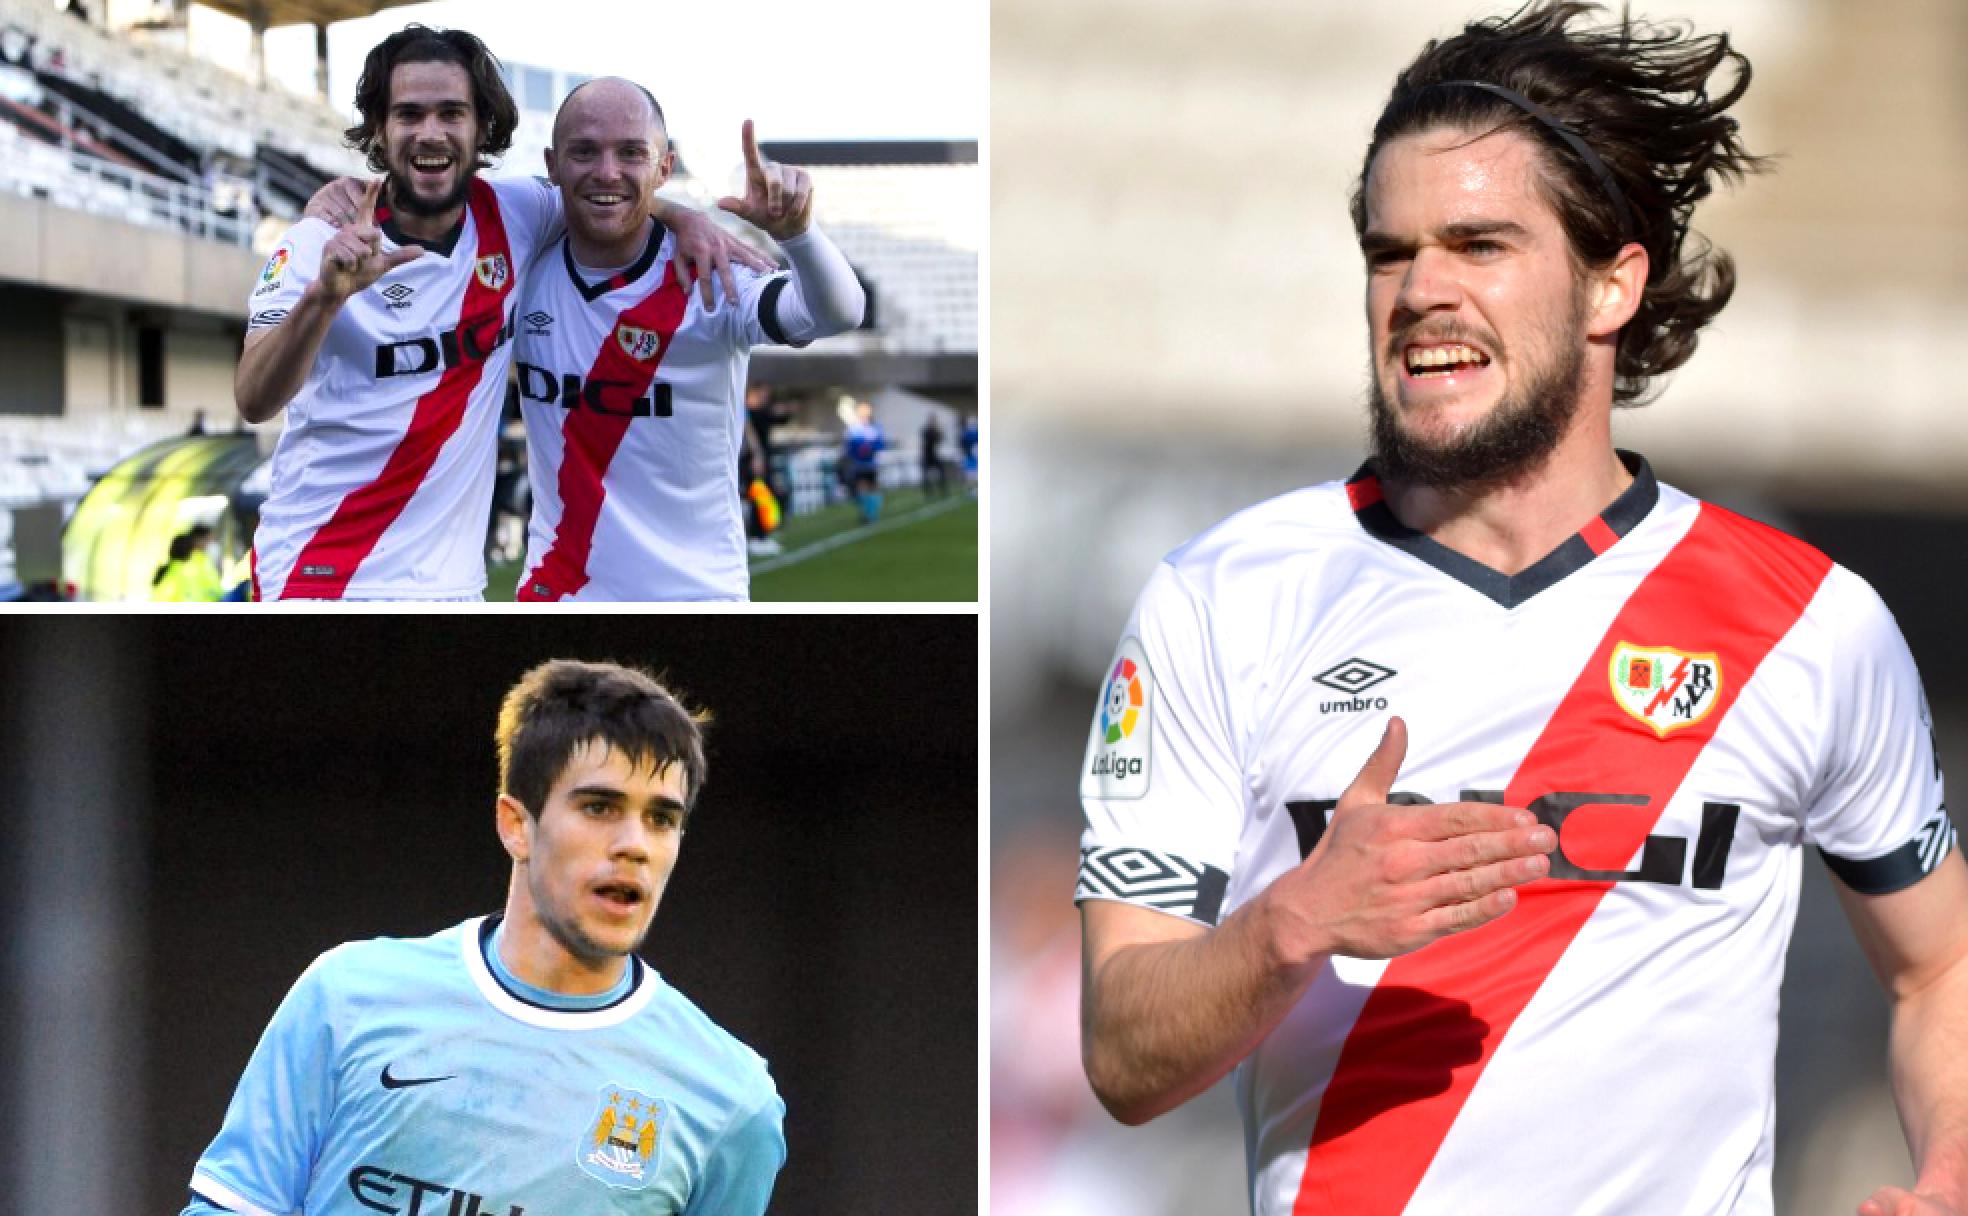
x: 1385, y: 242
x: 608, y: 793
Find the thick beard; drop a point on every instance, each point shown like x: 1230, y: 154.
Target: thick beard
x: 1517, y: 436
x: 405, y: 199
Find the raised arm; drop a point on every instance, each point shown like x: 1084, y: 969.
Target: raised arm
x: 1917, y: 941
x: 1168, y: 1007
x: 825, y: 298
x: 276, y: 360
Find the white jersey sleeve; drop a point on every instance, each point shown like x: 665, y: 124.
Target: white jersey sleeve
x: 262, y: 1161
x: 531, y: 209
x: 1162, y: 783
x: 295, y: 263
x: 1877, y: 813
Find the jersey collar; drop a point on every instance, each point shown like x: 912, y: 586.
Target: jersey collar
x: 477, y: 939
x: 1509, y: 590
x: 441, y: 245
x: 621, y: 278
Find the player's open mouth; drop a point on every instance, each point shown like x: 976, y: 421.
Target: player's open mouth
x: 623, y: 897
x: 1441, y: 360
x: 431, y: 166
x: 606, y: 202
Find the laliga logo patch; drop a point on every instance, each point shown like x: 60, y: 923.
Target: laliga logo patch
x: 275, y: 267
x: 492, y: 271
x: 1663, y: 687
x: 639, y: 344
x: 622, y: 1144
x: 1117, y: 747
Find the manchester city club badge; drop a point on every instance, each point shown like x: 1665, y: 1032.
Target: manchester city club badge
x: 492, y: 271
x: 640, y: 344
x: 624, y: 1140
x: 1666, y: 688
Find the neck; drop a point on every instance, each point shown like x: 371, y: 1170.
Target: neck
x: 427, y: 227
x: 590, y: 251
x: 536, y: 957
x: 1509, y: 524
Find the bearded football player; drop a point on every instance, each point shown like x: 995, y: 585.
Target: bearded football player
x: 1459, y: 807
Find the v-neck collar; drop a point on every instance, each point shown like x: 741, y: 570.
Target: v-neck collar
x: 1509, y: 590
x: 439, y: 245
x: 621, y: 278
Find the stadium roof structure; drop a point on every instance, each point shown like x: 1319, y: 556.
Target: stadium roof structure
x: 272, y: 14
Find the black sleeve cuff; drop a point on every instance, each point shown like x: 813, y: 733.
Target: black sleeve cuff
x: 1161, y: 881
x: 769, y: 313
x: 1901, y: 868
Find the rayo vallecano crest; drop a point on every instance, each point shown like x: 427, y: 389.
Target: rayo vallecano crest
x: 492, y: 271
x: 1663, y: 687
x: 638, y: 343
x: 624, y: 1140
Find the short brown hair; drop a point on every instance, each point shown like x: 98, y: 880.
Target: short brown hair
x: 564, y: 703
x: 498, y: 116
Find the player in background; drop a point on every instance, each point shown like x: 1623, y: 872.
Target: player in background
x: 861, y: 449
x: 526, y: 1060
x: 968, y: 441
x: 387, y: 341
x: 1459, y: 807
x: 633, y: 391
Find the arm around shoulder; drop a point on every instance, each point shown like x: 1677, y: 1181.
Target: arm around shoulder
x: 825, y: 296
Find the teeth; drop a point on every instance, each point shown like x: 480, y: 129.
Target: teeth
x: 430, y: 162
x: 1443, y: 356
x: 605, y: 200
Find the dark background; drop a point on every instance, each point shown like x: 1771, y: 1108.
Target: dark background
x: 284, y: 785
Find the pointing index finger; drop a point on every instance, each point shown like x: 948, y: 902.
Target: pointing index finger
x: 367, y: 213
x: 754, y: 163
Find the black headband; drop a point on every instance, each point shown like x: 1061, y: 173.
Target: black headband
x: 1565, y: 133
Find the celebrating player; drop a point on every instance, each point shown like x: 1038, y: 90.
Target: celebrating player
x: 1459, y: 806
x: 387, y: 341
x: 632, y: 390
x: 523, y: 1061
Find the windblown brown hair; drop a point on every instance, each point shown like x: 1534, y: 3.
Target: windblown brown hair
x: 564, y: 703
x: 1639, y: 95
x: 498, y: 116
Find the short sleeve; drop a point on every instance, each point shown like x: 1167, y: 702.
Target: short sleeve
x: 1877, y: 813
x: 295, y: 263
x: 1161, y: 784
x: 755, y: 321
x: 263, y: 1158
x: 530, y: 208
x: 743, y: 1164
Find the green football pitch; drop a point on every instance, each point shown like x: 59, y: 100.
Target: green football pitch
x: 921, y: 549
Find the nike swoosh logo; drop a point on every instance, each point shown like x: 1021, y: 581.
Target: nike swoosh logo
x: 390, y: 1082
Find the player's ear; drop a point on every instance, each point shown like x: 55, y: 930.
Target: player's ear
x: 515, y: 828
x: 665, y: 165
x: 552, y: 175
x: 1616, y: 296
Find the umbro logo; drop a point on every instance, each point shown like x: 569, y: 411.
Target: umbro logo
x: 538, y: 322
x: 1354, y: 677
x: 399, y: 294
x: 390, y: 1082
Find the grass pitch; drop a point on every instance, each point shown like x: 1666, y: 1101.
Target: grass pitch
x: 921, y: 549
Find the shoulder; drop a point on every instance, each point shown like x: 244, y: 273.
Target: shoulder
x: 1266, y: 543
x: 684, y: 1031
x: 384, y: 963
x: 1763, y: 555
x: 522, y: 191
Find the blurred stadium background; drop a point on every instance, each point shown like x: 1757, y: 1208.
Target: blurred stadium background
x: 1178, y: 333
x: 149, y: 161
x: 194, y: 813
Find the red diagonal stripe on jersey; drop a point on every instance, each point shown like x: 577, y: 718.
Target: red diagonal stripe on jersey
x: 1435, y: 1019
x: 590, y: 439
x: 340, y: 545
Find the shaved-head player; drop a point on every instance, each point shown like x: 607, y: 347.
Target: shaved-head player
x: 633, y: 390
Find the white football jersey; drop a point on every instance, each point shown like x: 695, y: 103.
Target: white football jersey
x: 633, y: 395
x: 382, y: 481
x: 1686, y: 697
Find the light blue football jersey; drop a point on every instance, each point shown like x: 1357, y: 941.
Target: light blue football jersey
x: 408, y: 1077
